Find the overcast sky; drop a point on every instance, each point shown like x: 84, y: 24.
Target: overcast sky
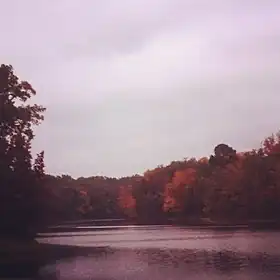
x: 129, y: 85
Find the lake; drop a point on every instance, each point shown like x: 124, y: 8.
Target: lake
x: 166, y: 252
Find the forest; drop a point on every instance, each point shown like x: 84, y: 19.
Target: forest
x: 225, y: 187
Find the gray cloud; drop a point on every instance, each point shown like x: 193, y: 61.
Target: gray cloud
x: 133, y: 84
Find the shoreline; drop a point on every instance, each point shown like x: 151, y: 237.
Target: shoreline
x: 12, y: 250
x: 253, y: 226
x: 22, y: 258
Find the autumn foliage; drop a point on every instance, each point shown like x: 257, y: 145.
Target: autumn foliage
x: 225, y: 187
x: 173, y: 192
x: 126, y: 200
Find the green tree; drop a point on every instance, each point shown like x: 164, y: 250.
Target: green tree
x: 20, y: 180
x: 223, y: 154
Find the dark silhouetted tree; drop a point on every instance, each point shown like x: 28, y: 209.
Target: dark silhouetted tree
x: 20, y: 180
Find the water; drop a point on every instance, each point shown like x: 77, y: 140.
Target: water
x: 166, y: 252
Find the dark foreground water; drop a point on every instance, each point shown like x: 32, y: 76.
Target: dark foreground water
x: 160, y: 252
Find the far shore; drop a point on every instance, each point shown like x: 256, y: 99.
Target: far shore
x: 203, y: 224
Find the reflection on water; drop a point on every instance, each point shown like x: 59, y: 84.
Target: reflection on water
x: 165, y: 264
x: 161, y: 253
x: 171, y: 238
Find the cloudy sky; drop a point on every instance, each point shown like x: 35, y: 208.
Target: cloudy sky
x: 131, y: 84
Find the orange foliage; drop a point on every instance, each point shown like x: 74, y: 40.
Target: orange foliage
x: 169, y: 200
x: 203, y: 160
x: 173, y: 190
x: 184, y: 177
x: 126, y: 199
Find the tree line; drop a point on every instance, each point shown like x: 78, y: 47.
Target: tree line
x: 225, y: 187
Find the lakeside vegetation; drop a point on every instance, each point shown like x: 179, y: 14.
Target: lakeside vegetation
x: 227, y: 187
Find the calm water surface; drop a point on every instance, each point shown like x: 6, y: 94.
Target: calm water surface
x: 166, y: 252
